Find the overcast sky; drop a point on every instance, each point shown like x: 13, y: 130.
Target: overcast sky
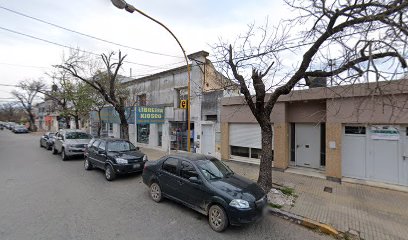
x: 197, y: 24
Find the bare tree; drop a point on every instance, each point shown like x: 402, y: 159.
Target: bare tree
x: 103, y: 79
x: 8, y: 111
x: 26, y: 94
x: 98, y: 103
x: 355, y: 35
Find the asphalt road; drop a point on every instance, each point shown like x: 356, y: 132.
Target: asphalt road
x: 42, y: 197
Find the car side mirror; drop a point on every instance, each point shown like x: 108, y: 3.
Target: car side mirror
x: 195, y: 180
x: 101, y: 151
x: 137, y: 148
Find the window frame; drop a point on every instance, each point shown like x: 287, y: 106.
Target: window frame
x: 177, y: 173
x: 95, y: 146
x: 355, y: 134
x: 192, y: 165
x: 99, y: 145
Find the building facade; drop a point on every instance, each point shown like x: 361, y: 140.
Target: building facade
x: 158, y: 113
x: 357, y: 131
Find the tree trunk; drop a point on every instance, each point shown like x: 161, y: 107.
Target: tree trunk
x: 265, y: 168
x: 32, y: 122
x: 76, y: 117
x: 100, y: 122
x: 124, y: 126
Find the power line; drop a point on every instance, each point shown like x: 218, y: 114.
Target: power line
x: 19, y: 65
x: 65, y: 46
x: 304, y: 44
x: 87, y: 35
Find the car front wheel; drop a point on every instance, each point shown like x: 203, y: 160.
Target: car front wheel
x: 63, y: 155
x: 109, y: 173
x: 217, y: 218
x: 54, y: 151
x: 155, y: 192
x: 87, y: 164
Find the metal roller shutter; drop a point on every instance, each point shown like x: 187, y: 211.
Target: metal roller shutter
x: 245, y: 135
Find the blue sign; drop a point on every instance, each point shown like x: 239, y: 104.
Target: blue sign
x: 147, y: 114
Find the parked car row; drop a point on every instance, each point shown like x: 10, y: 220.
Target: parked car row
x: 200, y: 182
x: 14, y: 127
x: 114, y: 156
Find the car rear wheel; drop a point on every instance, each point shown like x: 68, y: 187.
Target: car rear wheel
x: 63, y: 155
x: 155, y: 192
x: 217, y: 218
x: 54, y: 151
x: 109, y: 173
x: 87, y: 164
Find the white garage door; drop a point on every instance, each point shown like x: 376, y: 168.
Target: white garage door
x: 374, y: 153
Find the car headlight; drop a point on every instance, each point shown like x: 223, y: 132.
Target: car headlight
x: 239, y: 203
x: 121, y: 161
x: 145, y: 158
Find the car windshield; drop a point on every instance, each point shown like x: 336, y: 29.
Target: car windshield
x: 20, y: 127
x: 120, y: 146
x: 213, y: 169
x: 51, y: 134
x: 77, y: 135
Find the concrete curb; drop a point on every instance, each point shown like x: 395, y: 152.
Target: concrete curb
x: 324, y: 228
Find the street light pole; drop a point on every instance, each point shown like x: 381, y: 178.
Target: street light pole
x: 121, y: 4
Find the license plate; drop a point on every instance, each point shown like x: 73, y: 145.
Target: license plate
x: 136, y: 165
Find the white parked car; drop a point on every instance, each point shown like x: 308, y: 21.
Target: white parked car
x: 70, y: 143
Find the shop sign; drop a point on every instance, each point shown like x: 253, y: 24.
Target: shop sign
x: 183, y: 104
x: 385, y: 132
x: 149, y: 115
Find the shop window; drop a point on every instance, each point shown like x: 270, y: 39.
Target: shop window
x: 355, y: 130
x: 143, y: 132
x: 256, y: 153
x: 240, y: 151
x: 170, y: 165
x: 110, y: 127
x: 178, y: 135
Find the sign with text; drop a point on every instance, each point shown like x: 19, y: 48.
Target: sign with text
x: 183, y: 104
x: 384, y: 132
x: 149, y: 115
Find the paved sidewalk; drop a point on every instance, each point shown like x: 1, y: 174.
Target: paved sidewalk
x: 375, y: 213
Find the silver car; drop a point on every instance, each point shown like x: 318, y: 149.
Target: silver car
x: 70, y: 143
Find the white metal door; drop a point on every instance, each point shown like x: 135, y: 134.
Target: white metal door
x: 307, y: 141
x: 207, y: 140
x: 384, y: 162
x: 354, y: 155
x: 404, y: 158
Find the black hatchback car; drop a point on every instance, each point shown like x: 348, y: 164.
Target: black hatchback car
x: 208, y: 186
x: 115, y: 156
